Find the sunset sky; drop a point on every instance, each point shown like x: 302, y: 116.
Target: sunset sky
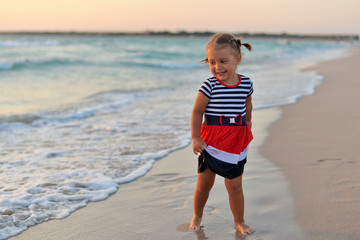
x: 276, y: 16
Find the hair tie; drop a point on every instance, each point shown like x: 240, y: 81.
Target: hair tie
x: 236, y: 41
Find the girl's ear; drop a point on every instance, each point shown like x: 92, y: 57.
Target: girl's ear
x: 239, y: 59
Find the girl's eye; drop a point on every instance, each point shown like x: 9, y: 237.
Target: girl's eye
x: 223, y: 61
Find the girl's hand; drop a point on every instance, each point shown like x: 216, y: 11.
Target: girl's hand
x: 198, y: 145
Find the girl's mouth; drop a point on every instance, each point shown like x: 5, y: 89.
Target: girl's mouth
x: 221, y: 73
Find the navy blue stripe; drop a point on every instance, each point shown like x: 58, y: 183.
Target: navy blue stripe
x: 228, y: 101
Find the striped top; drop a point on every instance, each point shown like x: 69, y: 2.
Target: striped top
x: 227, y: 100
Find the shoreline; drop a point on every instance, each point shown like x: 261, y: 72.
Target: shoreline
x: 315, y: 145
x: 139, y: 209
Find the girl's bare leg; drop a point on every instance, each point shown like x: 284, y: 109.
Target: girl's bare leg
x: 204, y: 184
x: 237, y: 203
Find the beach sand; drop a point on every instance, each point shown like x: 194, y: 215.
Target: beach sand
x: 316, y: 144
x: 309, y: 190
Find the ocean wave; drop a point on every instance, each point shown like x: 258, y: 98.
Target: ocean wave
x: 49, y: 198
x: 22, y: 118
x: 9, y: 65
x: 157, y: 54
x: 60, y: 191
x: 93, y: 105
x: 163, y: 64
x: 13, y: 43
x: 6, y: 65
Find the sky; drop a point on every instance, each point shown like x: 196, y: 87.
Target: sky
x: 253, y: 16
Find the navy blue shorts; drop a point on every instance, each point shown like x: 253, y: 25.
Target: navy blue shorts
x: 221, y: 168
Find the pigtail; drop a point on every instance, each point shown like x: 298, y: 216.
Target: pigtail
x: 236, y: 43
x: 247, y: 45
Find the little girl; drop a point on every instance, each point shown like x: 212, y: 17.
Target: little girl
x: 222, y: 140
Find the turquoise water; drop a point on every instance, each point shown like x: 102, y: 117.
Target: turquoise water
x: 80, y: 115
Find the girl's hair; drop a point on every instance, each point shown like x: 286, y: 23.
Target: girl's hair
x: 222, y: 40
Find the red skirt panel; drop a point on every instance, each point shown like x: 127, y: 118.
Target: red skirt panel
x: 231, y: 139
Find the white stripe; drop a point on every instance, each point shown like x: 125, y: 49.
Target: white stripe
x: 226, y: 105
x: 225, y: 156
x: 214, y: 100
x: 235, y: 90
x: 231, y: 95
x: 220, y: 114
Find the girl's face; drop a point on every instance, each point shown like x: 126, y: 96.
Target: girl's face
x: 223, y: 64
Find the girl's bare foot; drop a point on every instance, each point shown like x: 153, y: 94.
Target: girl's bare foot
x: 244, y: 229
x: 194, y: 224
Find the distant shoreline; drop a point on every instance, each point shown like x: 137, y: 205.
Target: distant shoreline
x: 348, y: 37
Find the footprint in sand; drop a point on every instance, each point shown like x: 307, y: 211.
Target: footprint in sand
x: 325, y: 160
x: 328, y: 159
x: 210, y: 209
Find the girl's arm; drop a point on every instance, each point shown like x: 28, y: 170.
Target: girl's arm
x: 248, y: 111
x: 196, y: 121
